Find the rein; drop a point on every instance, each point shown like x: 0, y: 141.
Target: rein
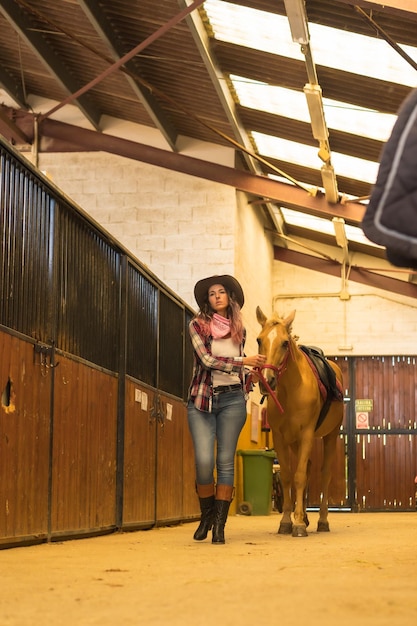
x: 278, y: 371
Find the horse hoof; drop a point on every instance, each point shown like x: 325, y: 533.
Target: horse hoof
x: 299, y: 531
x: 285, y: 528
x: 323, y: 527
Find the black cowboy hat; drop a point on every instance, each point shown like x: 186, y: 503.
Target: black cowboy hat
x: 231, y: 284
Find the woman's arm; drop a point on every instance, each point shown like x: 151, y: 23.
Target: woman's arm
x: 224, y: 364
x: 208, y: 361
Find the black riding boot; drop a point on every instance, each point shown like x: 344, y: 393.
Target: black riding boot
x: 224, y: 496
x: 206, y: 497
x: 206, y: 521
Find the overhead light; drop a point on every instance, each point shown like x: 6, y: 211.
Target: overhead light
x: 297, y: 17
x: 341, y: 240
x: 328, y: 177
x: 315, y: 107
x: 340, y: 232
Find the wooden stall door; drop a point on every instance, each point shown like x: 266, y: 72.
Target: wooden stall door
x: 25, y: 388
x: 84, y: 449
x: 386, y: 433
x: 191, y: 507
x: 387, y: 466
x: 169, y: 474
x: 139, y: 479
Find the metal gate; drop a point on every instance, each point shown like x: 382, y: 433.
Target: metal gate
x: 86, y: 334
x: 376, y: 460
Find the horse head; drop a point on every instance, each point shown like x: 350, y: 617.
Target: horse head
x: 273, y: 342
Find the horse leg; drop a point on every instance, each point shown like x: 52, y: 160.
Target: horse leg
x: 306, y: 520
x: 285, y: 526
x: 329, y: 451
x: 301, y: 481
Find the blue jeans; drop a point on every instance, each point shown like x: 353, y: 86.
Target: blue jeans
x: 218, y: 430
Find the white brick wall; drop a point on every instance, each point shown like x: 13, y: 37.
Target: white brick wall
x: 371, y: 322
x: 184, y: 228
x: 180, y: 226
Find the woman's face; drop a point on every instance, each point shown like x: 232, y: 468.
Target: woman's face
x: 218, y: 299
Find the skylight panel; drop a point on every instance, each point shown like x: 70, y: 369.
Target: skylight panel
x: 330, y: 47
x: 306, y: 156
x: 251, y: 28
x: 304, y: 220
x: 293, y: 105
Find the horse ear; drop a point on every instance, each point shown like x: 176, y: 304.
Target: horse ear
x: 289, y: 320
x: 260, y: 316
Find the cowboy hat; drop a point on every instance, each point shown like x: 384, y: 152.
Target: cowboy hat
x: 231, y: 284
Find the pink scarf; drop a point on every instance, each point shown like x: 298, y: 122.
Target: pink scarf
x: 219, y: 326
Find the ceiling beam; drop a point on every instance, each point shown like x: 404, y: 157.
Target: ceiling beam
x: 13, y: 89
x: 101, y: 24
x: 356, y: 274
x: 9, y: 129
x: 55, y: 136
x: 218, y: 79
x: 35, y: 41
x: 262, y: 186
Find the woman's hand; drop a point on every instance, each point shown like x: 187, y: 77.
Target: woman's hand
x: 253, y: 376
x: 254, y: 361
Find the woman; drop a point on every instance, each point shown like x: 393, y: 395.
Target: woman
x: 217, y: 396
x: 391, y: 215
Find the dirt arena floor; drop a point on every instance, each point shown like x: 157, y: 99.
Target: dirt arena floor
x: 363, y: 572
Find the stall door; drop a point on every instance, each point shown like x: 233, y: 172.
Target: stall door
x: 25, y: 387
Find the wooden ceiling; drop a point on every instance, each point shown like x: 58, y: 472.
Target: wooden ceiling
x: 157, y: 64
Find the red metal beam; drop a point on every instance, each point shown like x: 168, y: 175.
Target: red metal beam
x: 356, y: 274
x: 283, y: 194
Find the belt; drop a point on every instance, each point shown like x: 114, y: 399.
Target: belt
x: 224, y: 388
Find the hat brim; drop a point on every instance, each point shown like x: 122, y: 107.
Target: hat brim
x: 229, y: 282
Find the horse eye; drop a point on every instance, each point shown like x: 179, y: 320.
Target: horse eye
x: 285, y: 344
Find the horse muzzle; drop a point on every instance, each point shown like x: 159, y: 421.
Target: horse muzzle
x: 268, y: 384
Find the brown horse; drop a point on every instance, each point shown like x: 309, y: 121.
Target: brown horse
x: 297, y: 412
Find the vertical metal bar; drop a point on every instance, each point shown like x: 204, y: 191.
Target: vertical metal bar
x: 351, y: 440
x: 121, y: 395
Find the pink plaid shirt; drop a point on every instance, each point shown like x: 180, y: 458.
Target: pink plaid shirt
x: 201, y: 387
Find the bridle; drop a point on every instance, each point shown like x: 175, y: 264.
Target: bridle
x: 278, y: 373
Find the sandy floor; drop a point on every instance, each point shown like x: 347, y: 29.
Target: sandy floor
x: 363, y: 572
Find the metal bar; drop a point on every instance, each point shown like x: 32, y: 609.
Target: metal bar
x: 285, y: 194
x: 357, y: 274
x: 385, y: 36
x: 161, y: 31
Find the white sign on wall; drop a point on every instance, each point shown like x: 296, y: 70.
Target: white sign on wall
x: 362, y: 419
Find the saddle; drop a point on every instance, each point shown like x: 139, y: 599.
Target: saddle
x: 330, y: 387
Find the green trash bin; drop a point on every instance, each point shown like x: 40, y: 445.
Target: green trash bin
x: 257, y: 481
